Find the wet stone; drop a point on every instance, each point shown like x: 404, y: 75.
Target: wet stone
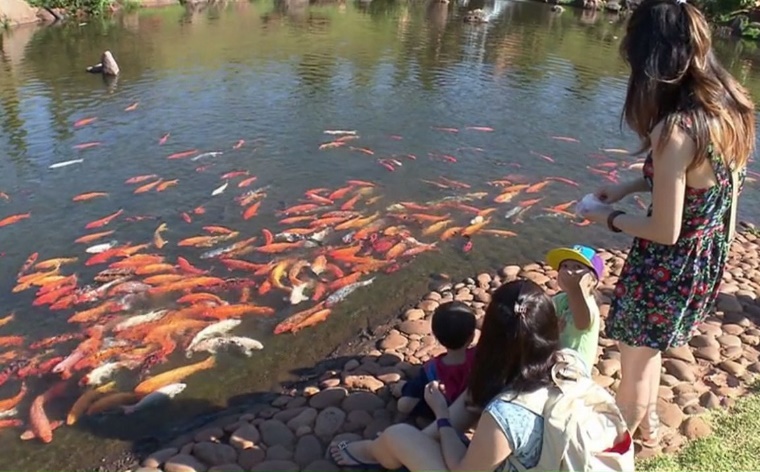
x: 226, y: 468
x: 321, y: 465
x: 187, y: 449
x: 680, y: 370
x: 305, y: 418
x: 268, y: 412
x: 710, y: 354
x: 732, y: 353
x: 390, y: 377
x: 146, y: 469
x: 733, y: 368
x: 156, y: 459
x: 303, y: 431
x: 415, y: 327
x: 510, y: 272
x: 750, y: 340
x: 665, y: 393
x: 732, y: 329
x: 329, y: 383
x: 694, y: 410
x: 685, y: 399
x: 287, y: 415
x: 308, y: 450
x: 184, y: 463
x: 351, y: 365
x: 275, y: 432
x: 709, y: 400
x: 214, y: 453
x: 376, y: 427
x: 695, y: 428
x: 703, y: 340
x: 363, y: 382
x: 329, y: 422
x: 209, y: 434
x: 245, y: 437
x: 413, y: 314
x: 275, y: 466
x: 250, y: 457
x: 670, y: 414
x: 428, y: 306
x: 682, y: 353
x: 329, y: 397
x: 281, y: 401
x: 393, y: 341
x: 279, y: 452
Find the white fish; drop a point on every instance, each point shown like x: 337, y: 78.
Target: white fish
x: 68, y: 362
x: 296, y: 295
x: 9, y: 413
x: 207, y: 154
x: 140, y: 319
x: 338, y: 296
x: 164, y: 393
x: 212, y: 345
x: 98, y: 248
x: 514, y: 211
x: 58, y: 165
x: 213, y: 330
x: 335, y: 132
x: 476, y: 220
x: 103, y: 372
x: 320, y: 236
x: 220, y: 190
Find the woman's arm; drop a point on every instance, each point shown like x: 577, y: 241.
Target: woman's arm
x: 488, y: 449
x: 461, y: 418
x: 671, y: 161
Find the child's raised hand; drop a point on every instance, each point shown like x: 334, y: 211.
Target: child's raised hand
x: 578, y: 279
x: 435, y: 399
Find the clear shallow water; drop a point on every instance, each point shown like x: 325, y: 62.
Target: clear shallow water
x: 277, y: 79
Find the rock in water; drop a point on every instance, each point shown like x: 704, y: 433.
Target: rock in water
x: 107, y: 65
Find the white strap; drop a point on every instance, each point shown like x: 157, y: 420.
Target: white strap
x: 730, y: 222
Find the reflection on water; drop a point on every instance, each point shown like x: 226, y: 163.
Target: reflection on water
x: 276, y: 76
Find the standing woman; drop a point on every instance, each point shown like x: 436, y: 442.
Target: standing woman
x: 698, y: 124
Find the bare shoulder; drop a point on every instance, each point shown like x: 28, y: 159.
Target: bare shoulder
x: 678, y: 147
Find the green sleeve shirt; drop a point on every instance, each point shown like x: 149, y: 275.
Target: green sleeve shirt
x: 583, y: 342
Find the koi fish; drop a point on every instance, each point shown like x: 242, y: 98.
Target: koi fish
x: 88, y: 196
x: 103, y: 221
x: 140, y: 178
x: 239, y: 144
x: 132, y: 107
x: 58, y: 165
x: 9, y: 220
x: 183, y: 154
x: 173, y: 376
x: 566, y: 139
x: 486, y: 129
x: 84, y: 122
x: 220, y: 189
x: 163, y: 139
x: 83, y: 146
x: 158, y: 241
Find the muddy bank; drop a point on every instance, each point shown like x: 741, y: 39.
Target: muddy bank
x: 348, y: 396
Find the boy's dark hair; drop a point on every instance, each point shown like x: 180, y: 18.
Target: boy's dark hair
x: 453, y: 325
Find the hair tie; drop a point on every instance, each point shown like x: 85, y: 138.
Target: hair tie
x: 520, y: 309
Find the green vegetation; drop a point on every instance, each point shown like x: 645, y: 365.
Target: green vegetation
x: 733, y: 446
x: 88, y: 7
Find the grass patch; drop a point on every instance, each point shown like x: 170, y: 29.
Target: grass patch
x: 733, y: 446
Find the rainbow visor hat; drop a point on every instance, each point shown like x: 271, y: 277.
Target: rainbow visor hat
x: 583, y: 254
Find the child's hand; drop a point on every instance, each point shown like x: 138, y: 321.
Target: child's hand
x: 578, y: 279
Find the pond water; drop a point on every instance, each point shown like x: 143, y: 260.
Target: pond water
x: 502, y: 122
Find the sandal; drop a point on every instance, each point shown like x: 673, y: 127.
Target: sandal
x: 650, y: 438
x: 348, y: 459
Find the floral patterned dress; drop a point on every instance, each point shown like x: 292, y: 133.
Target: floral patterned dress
x: 664, y: 292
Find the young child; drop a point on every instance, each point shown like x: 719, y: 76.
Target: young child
x: 579, y: 270
x: 453, y: 325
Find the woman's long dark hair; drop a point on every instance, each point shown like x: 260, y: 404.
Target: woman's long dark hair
x: 519, y: 338
x: 674, y: 72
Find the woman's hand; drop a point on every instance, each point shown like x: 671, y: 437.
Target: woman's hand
x: 436, y: 400
x: 598, y: 215
x: 610, y: 194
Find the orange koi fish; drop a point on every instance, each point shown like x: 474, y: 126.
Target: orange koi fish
x: 247, y: 182
x: 563, y: 180
x: 528, y: 203
x: 88, y: 238
x: 9, y: 220
x: 173, y: 376
x: 535, y: 188
x: 293, y: 320
x: 185, y: 266
x: 147, y: 187
x: 83, y: 146
x: 446, y: 130
x: 103, y: 221
x: 239, y: 144
x: 251, y: 211
x: 183, y: 154
x: 88, y: 196
x: 140, y: 178
x: 84, y: 122
x: 163, y: 139
x: 165, y: 185
x: 132, y: 107
x: 331, y: 145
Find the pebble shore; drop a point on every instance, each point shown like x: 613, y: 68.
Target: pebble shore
x: 294, y: 431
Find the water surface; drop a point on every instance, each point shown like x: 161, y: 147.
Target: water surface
x: 395, y: 72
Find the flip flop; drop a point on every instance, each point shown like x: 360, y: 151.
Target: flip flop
x: 343, y: 448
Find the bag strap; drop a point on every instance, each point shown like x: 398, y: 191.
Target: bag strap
x: 729, y: 221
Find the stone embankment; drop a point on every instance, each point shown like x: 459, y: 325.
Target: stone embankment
x: 294, y: 431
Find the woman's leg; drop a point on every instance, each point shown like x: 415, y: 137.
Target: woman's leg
x: 400, y: 445
x: 651, y: 422
x: 637, y: 385
x: 461, y: 418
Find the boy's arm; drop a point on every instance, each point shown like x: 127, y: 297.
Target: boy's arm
x: 580, y: 306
